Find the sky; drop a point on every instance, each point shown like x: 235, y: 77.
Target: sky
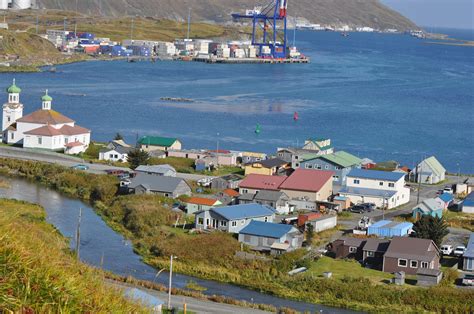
x: 436, y: 13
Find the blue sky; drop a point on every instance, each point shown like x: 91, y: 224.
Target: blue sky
x: 436, y: 13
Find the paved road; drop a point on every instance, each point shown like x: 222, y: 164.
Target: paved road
x: 69, y: 161
x: 192, y: 304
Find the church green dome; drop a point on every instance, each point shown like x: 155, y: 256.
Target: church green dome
x: 13, y: 89
x: 46, y: 97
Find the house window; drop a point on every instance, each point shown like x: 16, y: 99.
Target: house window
x: 242, y: 221
x: 370, y: 254
x: 319, y: 167
x: 352, y: 249
x: 391, y: 185
x: 234, y: 223
x: 424, y: 265
x: 296, y: 157
x: 402, y: 262
x: 167, y: 195
x: 66, y: 140
x: 338, y: 168
x: 266, y: 219
x: 40, y: 140
x: 356, y: 181
x: 336, y: 178
x: 326, y: 167
x: 245, y: 191
x: 297, y: 165
x: 13, y: 136
x: 381, y: 183
x: 8, y: 118
x: 414, y: 264
x: 200, y: 221
x: 223, y: 223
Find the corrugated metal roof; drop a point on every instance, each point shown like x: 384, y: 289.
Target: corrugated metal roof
x: 307, y: 180
x: 159, y: 169
x: 343, y: 159
x: 470, y: 247
x: 262, y: 182
x: 435, y: 165
x: 430, y: 205
x: 243, y: 211
x: 446, y: 197
x: 266, y: 229
x: 157, y: 141
x: 156, y: 183
x: 375, y: 175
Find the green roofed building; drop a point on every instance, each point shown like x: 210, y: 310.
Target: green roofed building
x: 154, y: 143
x: 340, y: 162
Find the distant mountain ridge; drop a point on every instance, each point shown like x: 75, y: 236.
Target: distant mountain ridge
x: 370, y: 13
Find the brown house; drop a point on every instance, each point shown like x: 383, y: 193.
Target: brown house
x: 410, y: 254
x: 373, y: 252
x: 347, y: 248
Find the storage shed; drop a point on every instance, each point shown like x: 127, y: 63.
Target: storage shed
x: 428, y: 277
x: 324, y: 223
x: 388, y: 228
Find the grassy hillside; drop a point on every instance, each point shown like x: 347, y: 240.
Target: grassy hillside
x: 39, y: 275
x: 367, y: 12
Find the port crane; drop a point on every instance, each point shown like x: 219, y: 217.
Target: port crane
x: 271, y: 20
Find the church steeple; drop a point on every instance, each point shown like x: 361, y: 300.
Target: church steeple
x: 13, y: 93
x: 46, y: 101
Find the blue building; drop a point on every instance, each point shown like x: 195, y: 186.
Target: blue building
x: 388, y: 229
x: 340, y: 162
x: 430, y: 207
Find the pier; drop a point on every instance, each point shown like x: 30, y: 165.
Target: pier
x: 249, y: 60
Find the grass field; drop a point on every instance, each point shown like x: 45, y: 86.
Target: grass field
x: 459, y: 220
x: 38, y: 274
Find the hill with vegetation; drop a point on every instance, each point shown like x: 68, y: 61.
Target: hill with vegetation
x: 361, y: 13
x: 38, y: 274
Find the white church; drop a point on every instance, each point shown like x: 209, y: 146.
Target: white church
x: 42, y: 129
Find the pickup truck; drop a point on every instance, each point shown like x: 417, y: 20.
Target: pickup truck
x: 468, y: 280
x: 459, y: 250
x: 446, y: 249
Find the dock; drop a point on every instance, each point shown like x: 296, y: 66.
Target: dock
x: 249, y: 60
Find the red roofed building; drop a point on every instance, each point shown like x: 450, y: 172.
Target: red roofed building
x: 260, y: 182
x: 308, y: 184
x: 44, y: 128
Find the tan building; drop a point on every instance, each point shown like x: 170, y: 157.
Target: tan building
x: 153, y: 143
x: 311, y: 185
x: 267, y: 167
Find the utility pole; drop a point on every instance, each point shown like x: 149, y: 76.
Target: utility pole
x: 78, y: 235
x: 418, y: 177
x: 131, y: 31
x: 169, y: 288
x: 189, y: 22
x: 65, y: 19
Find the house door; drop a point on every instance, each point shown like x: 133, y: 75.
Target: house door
x: 418, y: 216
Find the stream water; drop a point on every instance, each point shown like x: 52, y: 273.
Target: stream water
x: 98, y: 239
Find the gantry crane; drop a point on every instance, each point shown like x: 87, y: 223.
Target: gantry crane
x: 271, y: 20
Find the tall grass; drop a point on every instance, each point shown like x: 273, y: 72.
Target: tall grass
x: 39, y: 275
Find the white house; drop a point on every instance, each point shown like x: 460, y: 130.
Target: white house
x: 429, y: 171
x: 233, y: 218
x: 42, y: 129
x: 116, y: 150
x: 380, y: 187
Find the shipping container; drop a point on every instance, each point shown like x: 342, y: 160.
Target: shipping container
x: 304, y: 218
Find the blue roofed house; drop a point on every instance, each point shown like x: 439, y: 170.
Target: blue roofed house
x: 268, y: 236
x: 429, y: 171
x: 447, y: 199
x: 383, y: 188
x: 233, y: 218
x: 467, y: 205
x: 340, y: 162
x: 433, y: 207
x: 468, y: 257
x: 388, y: 229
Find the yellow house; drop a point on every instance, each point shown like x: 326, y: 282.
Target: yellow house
x: 267, y: 167
x: 152, y: 143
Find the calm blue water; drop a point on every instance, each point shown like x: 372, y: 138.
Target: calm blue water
x: 380, y: 96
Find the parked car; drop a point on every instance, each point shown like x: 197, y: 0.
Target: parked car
x: 459, y: 250
x: 115, y: 172
x: 446, y: 249
x: 359, y: 209
x: 368, y: 206
x: 448, y: 189
x: 468, y: 280
x: 80, y: 167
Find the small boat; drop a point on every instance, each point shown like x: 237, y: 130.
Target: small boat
x: 345, y: 34
x: 296, y: 116
x: 258, y: 129
x: 52, y: 69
